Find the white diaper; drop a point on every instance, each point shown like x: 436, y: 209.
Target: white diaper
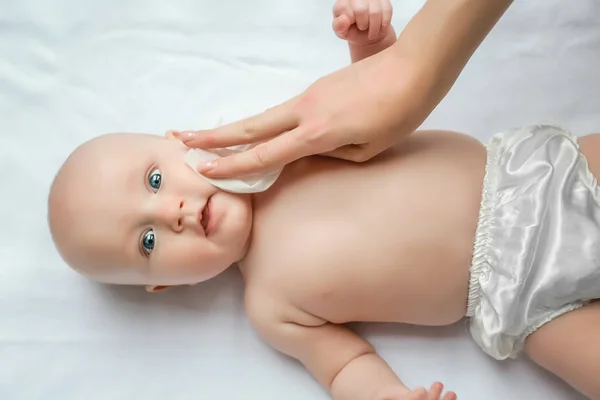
x: 537, y: 246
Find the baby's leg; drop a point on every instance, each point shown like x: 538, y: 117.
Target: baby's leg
x: 569, y: 347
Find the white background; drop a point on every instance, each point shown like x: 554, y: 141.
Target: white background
x: 74, y: 69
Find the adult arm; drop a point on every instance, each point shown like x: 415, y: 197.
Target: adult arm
x: 357, y: 112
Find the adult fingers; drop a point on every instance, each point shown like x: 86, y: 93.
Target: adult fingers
x: 259, y: 127
x: 266, y: 156
x: 350, y: 152
x: 356, y: 152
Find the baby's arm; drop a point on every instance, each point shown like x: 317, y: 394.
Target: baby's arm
x: 344, y: 363
x: 366, y: 25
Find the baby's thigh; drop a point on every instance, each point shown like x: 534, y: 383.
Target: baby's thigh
x: 569, y: 347
x: 590, y: 147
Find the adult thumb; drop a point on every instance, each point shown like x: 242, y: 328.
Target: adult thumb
x: 354, y: 152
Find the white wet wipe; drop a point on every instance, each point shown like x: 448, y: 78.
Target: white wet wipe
x: 249, y: 184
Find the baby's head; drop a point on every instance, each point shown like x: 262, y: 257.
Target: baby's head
x: 126, y: 209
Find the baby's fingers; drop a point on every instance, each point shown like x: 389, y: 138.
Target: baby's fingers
x: 341, y: 25
x: 361, y: 14
x: 342, y: 7
x: 343, y: 18
x: 450, y: 396
x: 375, y: 19
x: 386, y: 15
x: 435, y: 392
x: 418, y: 394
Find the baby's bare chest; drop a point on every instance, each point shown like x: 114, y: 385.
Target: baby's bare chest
x: 352, y: 242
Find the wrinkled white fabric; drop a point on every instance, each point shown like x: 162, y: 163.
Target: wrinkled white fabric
x: 537, y: 246
x: 251, y: 184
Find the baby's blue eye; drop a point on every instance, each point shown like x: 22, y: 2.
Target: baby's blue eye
x: 148, y: 241
x: 155, y: 179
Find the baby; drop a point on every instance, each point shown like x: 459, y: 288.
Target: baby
x: 435, y: 229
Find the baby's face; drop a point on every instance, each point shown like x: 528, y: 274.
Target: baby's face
x: 128, y: 210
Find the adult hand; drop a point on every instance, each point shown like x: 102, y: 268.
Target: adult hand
x: 352, y: 114
x: 359, y: 111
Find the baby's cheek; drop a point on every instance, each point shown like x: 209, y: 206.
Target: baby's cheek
x: 188, y: 257
x: 236, y: 223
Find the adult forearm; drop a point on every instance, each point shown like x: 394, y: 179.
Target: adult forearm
x: 444, y: 34
x: 358, y: 53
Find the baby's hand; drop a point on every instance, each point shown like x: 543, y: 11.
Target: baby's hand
x: 362, y: 22
x: 434, y: 393
x: 399, y: 393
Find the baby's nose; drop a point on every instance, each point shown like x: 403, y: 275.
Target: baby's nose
x: 171, y: 214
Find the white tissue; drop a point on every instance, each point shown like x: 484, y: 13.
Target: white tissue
x: 251, y: 184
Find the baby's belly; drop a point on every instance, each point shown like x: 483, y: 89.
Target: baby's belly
x: 390, y: 240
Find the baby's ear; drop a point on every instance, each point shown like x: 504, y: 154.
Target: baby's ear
x: 154, y: 289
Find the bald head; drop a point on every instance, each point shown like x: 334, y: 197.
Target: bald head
x: 127, y: 209
x: 81, y: 193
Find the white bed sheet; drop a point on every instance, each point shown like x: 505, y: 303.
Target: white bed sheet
x: 73, y: 69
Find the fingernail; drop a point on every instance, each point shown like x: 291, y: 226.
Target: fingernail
x: 187, y: 135
x: 207, y: 166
